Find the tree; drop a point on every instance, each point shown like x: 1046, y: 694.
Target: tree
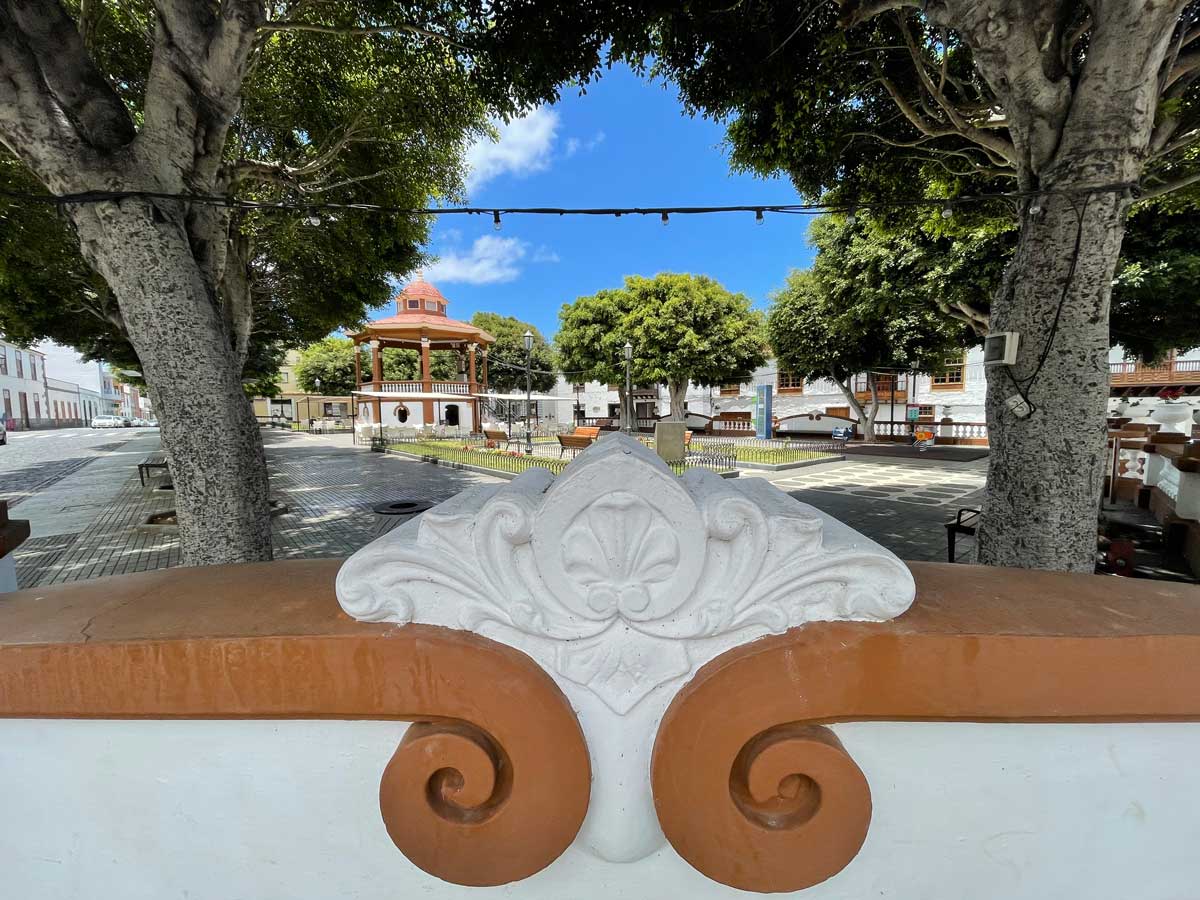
x: 864, y: 306
x: 331, y: 360
x: 688, y: 328
x: 682, y: 327
x: 1080, y: 108
x: 175, y: 102
x: 506, y: 357
x: 591, y: 334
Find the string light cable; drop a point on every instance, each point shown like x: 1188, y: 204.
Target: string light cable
x: 494, y: 213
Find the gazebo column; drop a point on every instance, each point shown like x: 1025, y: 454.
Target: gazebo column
x: 377, y: 376
x: 426, y: 382
x: 473, y: 388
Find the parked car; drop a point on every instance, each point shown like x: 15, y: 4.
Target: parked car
x: 138, y: 423
x: 109, y: 422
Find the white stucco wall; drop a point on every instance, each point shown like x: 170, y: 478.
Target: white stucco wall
x: 214, y: 810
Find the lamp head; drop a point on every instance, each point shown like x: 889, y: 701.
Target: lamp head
x: 528, y: 339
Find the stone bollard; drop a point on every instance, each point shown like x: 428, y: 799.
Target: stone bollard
x: 668, y: 440
x: 13, y: 533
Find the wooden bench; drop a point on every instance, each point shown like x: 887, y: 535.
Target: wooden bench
x: 157, y: 460
x: 580, y: 439
x: 497, y: 436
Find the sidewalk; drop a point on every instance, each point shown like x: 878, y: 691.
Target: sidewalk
x: 92, y: 522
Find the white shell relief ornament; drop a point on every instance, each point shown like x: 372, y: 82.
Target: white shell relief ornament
x: 622, y: 580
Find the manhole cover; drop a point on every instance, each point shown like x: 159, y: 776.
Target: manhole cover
x: 403, y: 507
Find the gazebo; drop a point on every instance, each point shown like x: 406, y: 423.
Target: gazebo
x: 421, y: 324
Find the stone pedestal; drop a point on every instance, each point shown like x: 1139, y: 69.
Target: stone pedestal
x: 668, y: 440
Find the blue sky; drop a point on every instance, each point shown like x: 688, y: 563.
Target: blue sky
x: 626, y: 142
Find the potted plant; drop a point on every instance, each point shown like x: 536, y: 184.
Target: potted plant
x: 1172, y: 412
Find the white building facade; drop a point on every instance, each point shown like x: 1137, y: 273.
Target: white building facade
x: 952, y: 402
x: 23, y: 388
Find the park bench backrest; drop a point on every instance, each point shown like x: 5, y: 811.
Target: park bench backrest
x: 588, y: 431
x: 492, y: 435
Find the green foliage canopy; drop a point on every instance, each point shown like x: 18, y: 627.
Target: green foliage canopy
x: 506, y: 357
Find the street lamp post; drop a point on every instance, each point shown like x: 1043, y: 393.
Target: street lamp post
x: 317, y: 385
x: 628, y: 388
x: 528, y: 390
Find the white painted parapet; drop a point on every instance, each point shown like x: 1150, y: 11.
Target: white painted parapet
x: 622, y: 580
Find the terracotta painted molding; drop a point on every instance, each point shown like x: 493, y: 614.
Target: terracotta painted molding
x: 754, y: 792
x: 490, y: 788
x: 622, y: 580
x: 743, y: 766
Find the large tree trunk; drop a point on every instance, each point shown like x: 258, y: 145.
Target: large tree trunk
x: 209, y: 431
x: 866, y: 415
x: 1082, y: 142
x: 1045, y: 471
x: 678, y: 393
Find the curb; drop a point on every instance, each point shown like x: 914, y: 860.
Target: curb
x: 780, y: 467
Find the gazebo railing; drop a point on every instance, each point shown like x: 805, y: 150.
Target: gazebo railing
x: 418, y: 387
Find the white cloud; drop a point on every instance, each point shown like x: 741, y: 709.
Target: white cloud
x: 490, y: 260
x: 525, y: 146
x: 574, y: 144
x: 65, y: 364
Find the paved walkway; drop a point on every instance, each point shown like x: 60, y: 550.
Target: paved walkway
x: 328, y: 486
x: 88, y: 518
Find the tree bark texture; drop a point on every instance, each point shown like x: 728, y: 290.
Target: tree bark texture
x: 166, y: 261
x: 1082, y: 143
x: 866, y: 416
x: 1045, y: 472
x: 678, y: 393
x: 209, y: 432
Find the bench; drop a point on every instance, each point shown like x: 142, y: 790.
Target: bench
x: 496, y: 436
x: 961, y: 524
x: 580, y: 439
x: 573, y: 442
x: 157, y: 460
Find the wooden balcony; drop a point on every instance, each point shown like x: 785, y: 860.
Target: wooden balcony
x: 418, y: 387
x: 885, y: 395
x: 1138, y: 378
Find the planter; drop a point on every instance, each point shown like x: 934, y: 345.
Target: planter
x: 1171, y: 415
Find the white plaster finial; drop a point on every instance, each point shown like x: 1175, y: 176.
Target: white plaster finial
x: 622, y: 580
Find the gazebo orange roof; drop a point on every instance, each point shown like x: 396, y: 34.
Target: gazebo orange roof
x: 421, y: 313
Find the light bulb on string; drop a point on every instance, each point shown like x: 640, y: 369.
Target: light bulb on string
x: 665, y: 218
x: 496, y: 219
x: 758, y: 217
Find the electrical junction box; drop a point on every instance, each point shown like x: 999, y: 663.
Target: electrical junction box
x: 1000, y: 348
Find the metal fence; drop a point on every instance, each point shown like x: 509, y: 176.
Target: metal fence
x: 473, y: 451
x: 769, y: 452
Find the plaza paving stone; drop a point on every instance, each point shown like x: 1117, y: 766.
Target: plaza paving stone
x: 330, y: 488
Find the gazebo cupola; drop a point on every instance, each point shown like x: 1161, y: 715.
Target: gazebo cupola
x: 421, y: 323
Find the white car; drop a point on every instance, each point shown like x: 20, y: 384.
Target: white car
x: 108, y: 422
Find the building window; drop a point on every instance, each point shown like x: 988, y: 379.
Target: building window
x: 577, y: 387
x: 431, y: 305
x: 284, y: 377
x: 414, y: 304
x: 950, y: 378
x: 32, y: 367
x: 7, y: 404
x: 3, y: 360
x: 441, y: 307
x: 925, y: 412
x: 790, y: 383
x: 20, y: 364
x: 37, y: 406
x: 731, y: 390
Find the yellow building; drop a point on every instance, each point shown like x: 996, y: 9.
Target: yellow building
x: 295, y: 405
